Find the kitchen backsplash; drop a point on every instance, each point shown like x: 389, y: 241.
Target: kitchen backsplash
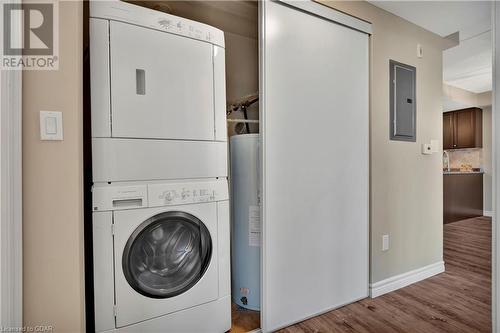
x: 474, y: 157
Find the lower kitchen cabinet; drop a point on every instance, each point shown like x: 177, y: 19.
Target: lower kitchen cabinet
x: 462, y: 196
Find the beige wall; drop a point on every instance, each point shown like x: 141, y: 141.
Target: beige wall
x: 484, y: 99
x: 455, y: 98
x: 406, y: 187
x: 52, y: 187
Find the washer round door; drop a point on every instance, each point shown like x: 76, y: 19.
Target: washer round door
x: 167, y: 254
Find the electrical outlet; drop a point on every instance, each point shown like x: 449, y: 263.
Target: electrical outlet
x: 385, y: 242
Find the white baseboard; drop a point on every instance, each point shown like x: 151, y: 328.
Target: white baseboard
x: 488, y: 213
x: 405, y: 279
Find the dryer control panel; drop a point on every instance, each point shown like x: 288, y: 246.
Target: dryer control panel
x: 153, y: 19
x: 155, y: 194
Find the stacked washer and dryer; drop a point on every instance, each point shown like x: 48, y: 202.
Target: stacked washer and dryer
x: 161, y: 232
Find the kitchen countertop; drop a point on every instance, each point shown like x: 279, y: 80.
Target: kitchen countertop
x: 458, y: 172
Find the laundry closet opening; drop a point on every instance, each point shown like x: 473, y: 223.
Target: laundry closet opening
x: 239, y: 22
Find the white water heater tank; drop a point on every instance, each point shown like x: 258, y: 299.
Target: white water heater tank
x: 246, y: 226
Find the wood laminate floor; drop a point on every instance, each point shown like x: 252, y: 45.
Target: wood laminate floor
x: 244, y: 320
x: 456, y: 301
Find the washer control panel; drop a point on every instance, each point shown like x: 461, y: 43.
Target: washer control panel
x: 184, y: 193
x: 132, y: 196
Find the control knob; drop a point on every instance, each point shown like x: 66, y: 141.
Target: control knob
x: 168, y: 196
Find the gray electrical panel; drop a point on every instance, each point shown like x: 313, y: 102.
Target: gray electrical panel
x: 403, y: 126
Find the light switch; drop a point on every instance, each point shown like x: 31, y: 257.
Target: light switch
x: 51, y: 125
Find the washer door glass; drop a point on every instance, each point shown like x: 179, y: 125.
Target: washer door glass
x: 167, y: 254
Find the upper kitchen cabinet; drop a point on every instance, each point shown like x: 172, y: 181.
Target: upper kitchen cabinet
x: 463, y: 129
x: 448, y: 130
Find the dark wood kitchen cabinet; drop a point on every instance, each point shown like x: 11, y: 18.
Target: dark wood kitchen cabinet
x: 448, y: 130
x: 463, y: 129
x: 462, y: 196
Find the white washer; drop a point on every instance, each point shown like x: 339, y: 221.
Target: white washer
x: 159, y: 162
x: 161, y: 256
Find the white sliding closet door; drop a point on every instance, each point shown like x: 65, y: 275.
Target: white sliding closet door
x: 314, y: 116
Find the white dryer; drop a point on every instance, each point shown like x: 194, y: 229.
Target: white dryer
x: 161, y: 256
x: 158, y: 94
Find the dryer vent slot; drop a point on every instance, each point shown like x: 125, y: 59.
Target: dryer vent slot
x: 140, y: 82
x: 127, y: 203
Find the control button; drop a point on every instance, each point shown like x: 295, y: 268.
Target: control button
x: 168, y: 196
x: 164, y: 23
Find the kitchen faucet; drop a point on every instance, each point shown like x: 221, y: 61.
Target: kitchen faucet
x: 446, y: 159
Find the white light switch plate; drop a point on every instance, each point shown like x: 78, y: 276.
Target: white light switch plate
x: 51, y: 125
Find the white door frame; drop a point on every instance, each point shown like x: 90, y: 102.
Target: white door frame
x: 10, y: 196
